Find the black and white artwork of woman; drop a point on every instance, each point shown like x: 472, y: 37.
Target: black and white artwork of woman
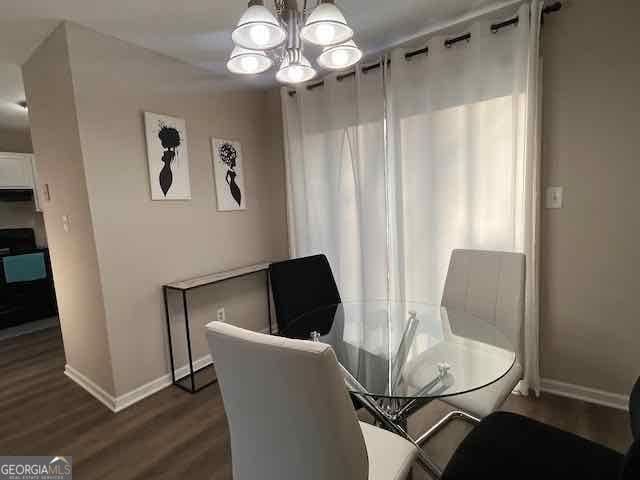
x: 229, y: 177
x: 168, y: 157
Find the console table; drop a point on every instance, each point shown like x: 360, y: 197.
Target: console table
x: 183, y: 287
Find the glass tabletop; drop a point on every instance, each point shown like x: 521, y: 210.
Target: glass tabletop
x: 408, y: 350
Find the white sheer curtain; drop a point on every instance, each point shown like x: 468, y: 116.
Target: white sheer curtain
x: 533, y: 185
x: 464, y: 146
x: 335, y: 163
x: 459, y: 168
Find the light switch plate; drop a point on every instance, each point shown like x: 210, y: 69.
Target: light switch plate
x: 553, y: 197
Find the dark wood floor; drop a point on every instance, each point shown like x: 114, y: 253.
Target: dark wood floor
x: 175, y: 435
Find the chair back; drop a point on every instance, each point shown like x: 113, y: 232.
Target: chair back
x: 301, y: 285
x: 289, y: 413
x: 490, y: 286
x: 631, y: 465
x: 634, y: 410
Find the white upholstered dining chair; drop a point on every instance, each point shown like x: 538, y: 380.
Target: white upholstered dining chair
x: 290, y: 416
x: 490, y: 286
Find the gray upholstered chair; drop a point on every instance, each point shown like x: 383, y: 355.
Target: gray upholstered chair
x: 290, y: 416
x: 490, y: 286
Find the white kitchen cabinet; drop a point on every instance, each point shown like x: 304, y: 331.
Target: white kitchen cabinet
x: 18, y: 171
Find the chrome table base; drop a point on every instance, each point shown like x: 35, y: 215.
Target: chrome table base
x: 385, y: 417
x: 456, y: 414
x: 393, y: 414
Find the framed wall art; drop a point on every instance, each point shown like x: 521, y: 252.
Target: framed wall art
x: 168, y: 157
x: 229, y: 175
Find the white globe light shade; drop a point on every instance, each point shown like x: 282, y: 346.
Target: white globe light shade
x: 340, y: 56
x: 258, y: 29
x: 326, y: 26
x: 246, y: 62
x: 295, y: 72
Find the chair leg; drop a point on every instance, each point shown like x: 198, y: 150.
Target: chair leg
x: 381, y: 418
x: 456, y: 414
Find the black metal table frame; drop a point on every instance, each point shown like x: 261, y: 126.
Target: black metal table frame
x: 185, y: 306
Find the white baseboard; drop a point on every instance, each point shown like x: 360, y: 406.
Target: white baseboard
x: 154, y: 386
x: 586, y: 394
x: 116, y: 404
x: 104, y: 397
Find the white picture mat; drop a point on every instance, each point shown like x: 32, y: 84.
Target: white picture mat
x: 225, y: 200
x: 181, y: 187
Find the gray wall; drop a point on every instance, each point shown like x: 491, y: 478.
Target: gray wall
x: 142, y: 244
x: 15, y: 140
x: 590, y: 317
x: 590, y: 259
x: 54, y: 128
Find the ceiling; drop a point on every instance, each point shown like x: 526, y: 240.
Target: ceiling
x: 12, y: 115
x: 195, y: 31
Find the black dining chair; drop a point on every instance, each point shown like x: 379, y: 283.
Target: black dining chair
x: 301, y: 285
x: 508, y: 446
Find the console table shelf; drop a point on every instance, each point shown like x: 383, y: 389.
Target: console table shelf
x: 183, y: 287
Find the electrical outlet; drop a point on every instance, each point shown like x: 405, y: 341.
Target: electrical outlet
x: 220, y: 315
x: 553, y: 197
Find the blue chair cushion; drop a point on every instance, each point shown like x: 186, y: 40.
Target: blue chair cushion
x: 26, y: 267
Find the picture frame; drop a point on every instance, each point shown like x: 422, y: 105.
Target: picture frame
x: 228, y: 171
x: 168, y: 157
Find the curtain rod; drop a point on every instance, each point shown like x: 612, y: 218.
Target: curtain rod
x: 448, y: 43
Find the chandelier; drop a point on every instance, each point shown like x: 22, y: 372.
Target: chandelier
x: 263, y: 38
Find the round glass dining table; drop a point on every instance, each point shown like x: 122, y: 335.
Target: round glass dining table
x: 398, y: 356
